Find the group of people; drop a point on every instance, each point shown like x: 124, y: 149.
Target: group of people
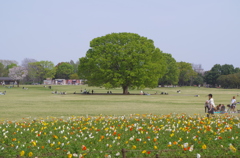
x: 210, y: 106
x: 86, y: 92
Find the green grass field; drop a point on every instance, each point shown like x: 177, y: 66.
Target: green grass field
x: 39, y: 102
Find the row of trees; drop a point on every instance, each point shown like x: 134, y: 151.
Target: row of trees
x: 32, y: 71
x: 225, y: 75
x: 128, y: 60
x: 124, y: 60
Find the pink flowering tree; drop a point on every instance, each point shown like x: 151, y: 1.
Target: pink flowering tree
x: 18, y: 73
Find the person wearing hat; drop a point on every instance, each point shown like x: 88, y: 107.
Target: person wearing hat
x: 211, y: 105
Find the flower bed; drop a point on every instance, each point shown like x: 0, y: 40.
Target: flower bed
x: 105, y: 136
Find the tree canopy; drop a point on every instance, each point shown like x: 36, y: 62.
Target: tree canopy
x: 49, y: 69
x: 124, y: 60
x: 211, y: 77
x: 172, y: 72
x: 35, y: 72
x: 26, y: 61
x: 18, y: 72
x: 5, y: 65
x: 3, y: 71
x: 75, y: 65
x: 63, y: 70
x: 186, y: 73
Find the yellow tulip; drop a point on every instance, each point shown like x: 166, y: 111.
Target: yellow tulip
x: 232, y: 148
x: 30, y: 154
x: 34, y: 143
x: 22, y: 153
x: 69, y: 155
x: 204, y: 146
x: 134, y: 147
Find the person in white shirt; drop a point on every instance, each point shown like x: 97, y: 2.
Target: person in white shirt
x: 233, y: 103
x: 211, y: 105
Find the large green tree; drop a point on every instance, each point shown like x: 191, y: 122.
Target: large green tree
x: 124, y: 60
x: 172, y: 71
x: 63, y: 70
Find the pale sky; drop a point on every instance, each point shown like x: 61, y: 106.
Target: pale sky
x: 205, y: 32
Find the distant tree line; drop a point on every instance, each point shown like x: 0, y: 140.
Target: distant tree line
x: 124, y: 60
x: 224, y: 75
x: 33, y: 71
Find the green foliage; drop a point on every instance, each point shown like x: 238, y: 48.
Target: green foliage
x: 75, y: 65
x: 211, y: 77
x: 227, y: 69
x: 172, y: 71
x: 198, y: 80
x: 64, y: 70
x: 35, y: 72
x: 11, y: 66
x: 2, y: 71
x: 229, y: 81
x: 49, y: 69
x: 124, y: 60
x: 74, y: 76
x: 237, y: 69
x: 187, y: 74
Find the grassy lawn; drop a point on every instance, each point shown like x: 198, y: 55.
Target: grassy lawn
x: 38, y: 101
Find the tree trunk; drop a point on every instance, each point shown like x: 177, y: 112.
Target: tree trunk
x: 125, y: 89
